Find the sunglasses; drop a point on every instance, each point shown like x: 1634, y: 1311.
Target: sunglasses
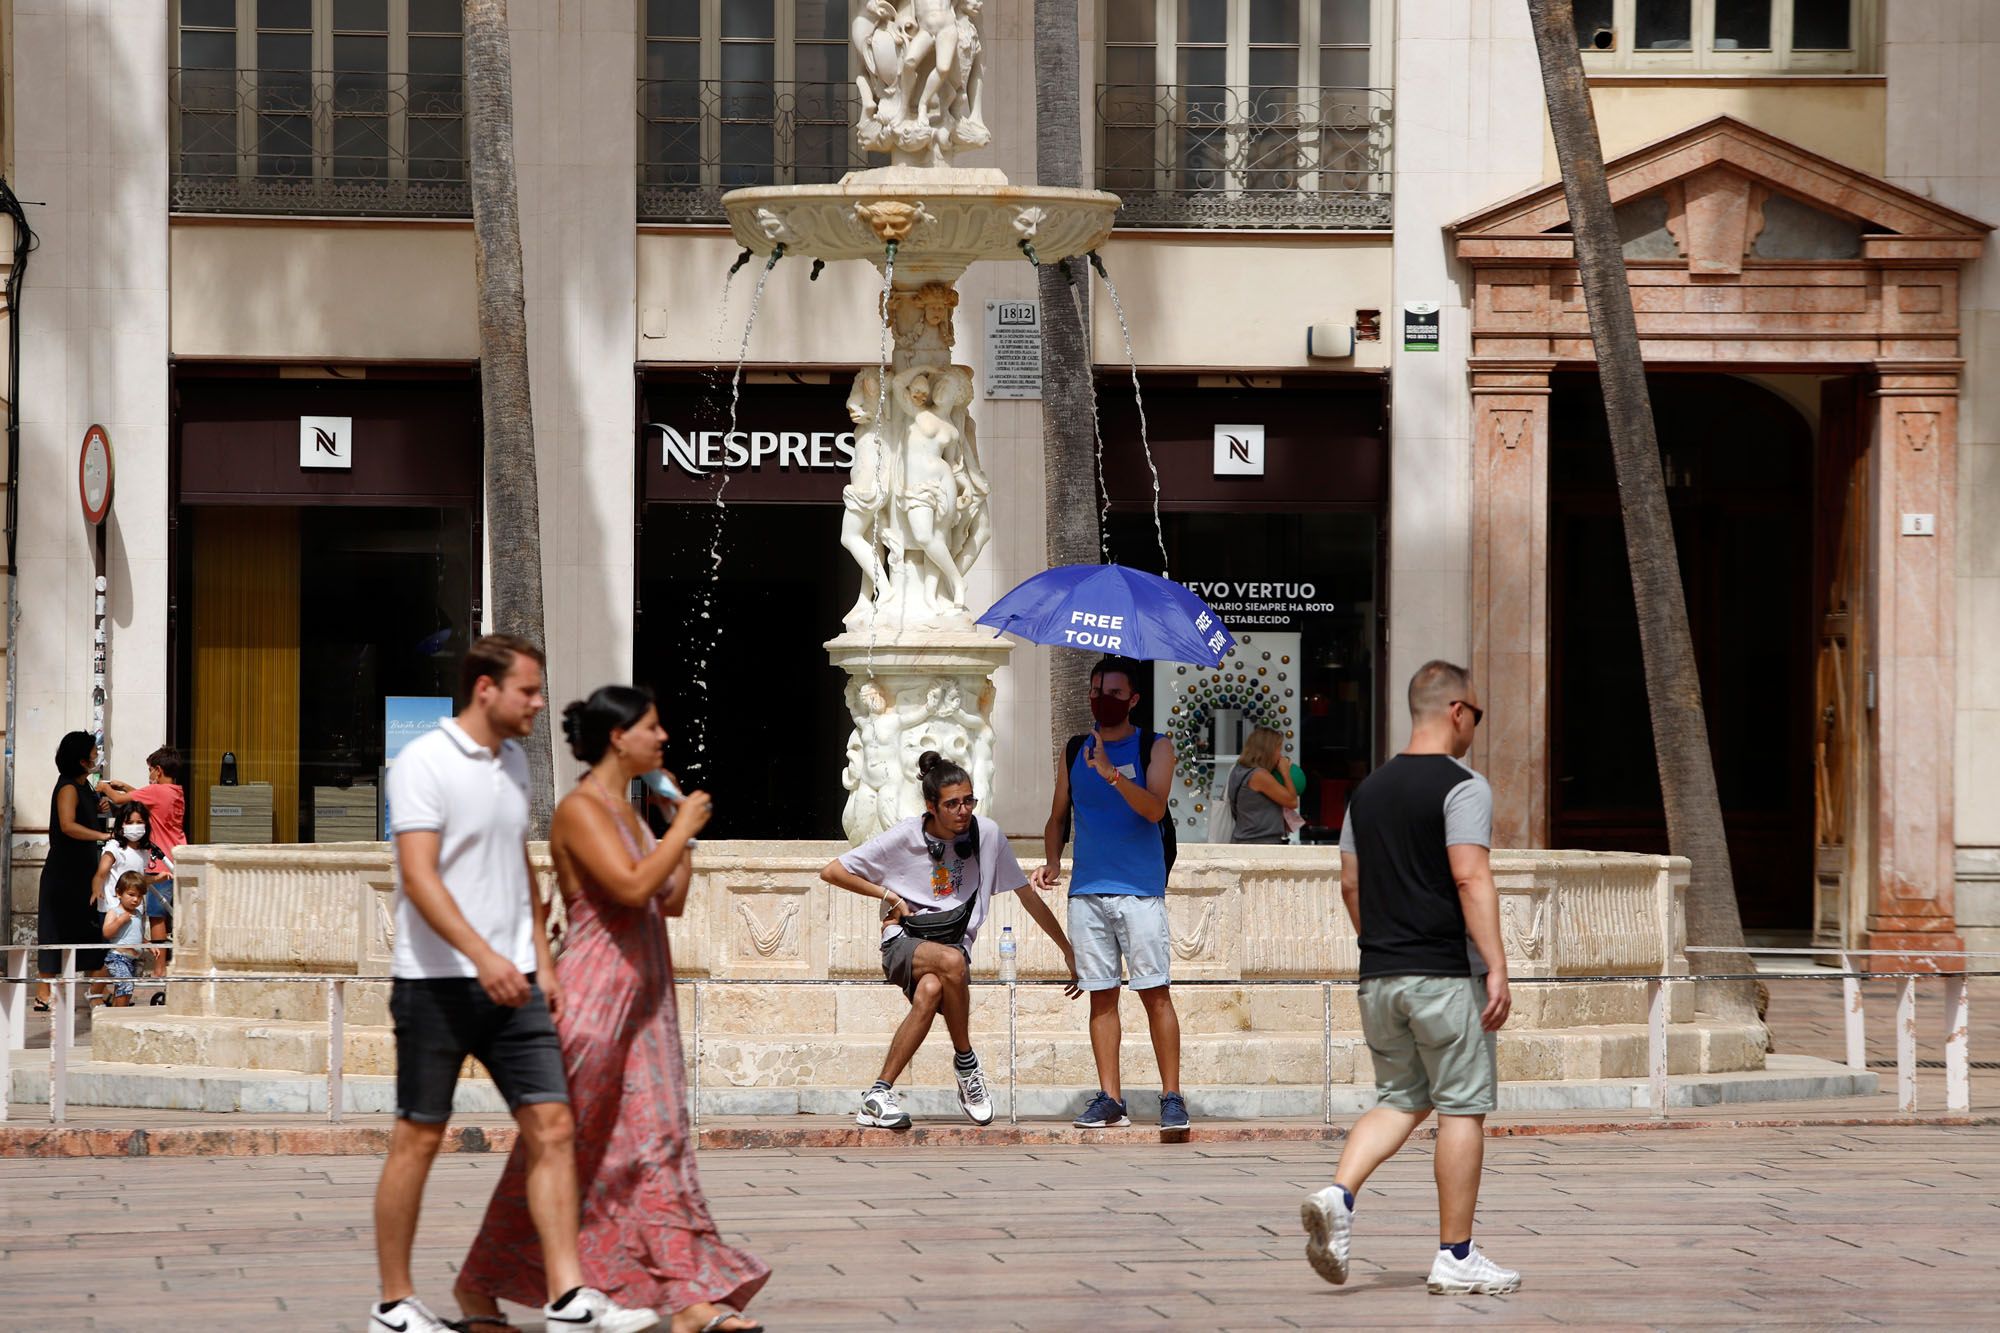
x: 1478, y: 714
x: 960, y: 803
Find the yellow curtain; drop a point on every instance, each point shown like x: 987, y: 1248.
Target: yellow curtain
x: 246, y: 658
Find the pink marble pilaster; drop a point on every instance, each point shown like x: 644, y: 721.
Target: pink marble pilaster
x: 1914, y: 472
x: 1510, y: 576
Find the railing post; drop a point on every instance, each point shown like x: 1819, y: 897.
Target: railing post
x: 1326, y: 1044
x: 14, y: 1002
x: 1656, y: 1043
x: 694, y: 1100
x: 336, y: 1047
x: 1850, y: 1006
x: 1013, y: 1016
x: 1957, y: 1068
x: 1906, y: 1046
x: 62, y: 1032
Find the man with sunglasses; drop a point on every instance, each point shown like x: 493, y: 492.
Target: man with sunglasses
x: 1417, y: 879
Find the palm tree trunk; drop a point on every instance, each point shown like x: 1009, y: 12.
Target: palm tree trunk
x: 513, y: 515
x: 1069, y: 466
x: 1673, y: 685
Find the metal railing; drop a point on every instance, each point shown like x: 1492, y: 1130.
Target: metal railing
x: 16, y: 986
x: 1246, y: 157
x: 318, y: 142
x: 700, y: 138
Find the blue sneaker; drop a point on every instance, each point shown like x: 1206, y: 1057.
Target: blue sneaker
x: 1102, y: 1113
x: 1173, y: 1111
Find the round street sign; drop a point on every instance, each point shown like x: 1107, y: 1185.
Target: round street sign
x: 94, y: 474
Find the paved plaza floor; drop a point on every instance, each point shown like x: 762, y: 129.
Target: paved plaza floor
x: 1812, y: 1226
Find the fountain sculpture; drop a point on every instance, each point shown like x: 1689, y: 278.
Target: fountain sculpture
x: 916, y: 509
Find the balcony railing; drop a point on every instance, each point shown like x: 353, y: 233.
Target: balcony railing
x: 1236, y: 157
x: 318, y: 142
x: 700, y: 138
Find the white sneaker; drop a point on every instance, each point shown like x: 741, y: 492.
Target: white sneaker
x: 972, y: 1098
x: 1328, y: 1221
x: 591, y: 1309
x: 408, y: 1315
x: 879, y: 1110
x: 1474, y: 1275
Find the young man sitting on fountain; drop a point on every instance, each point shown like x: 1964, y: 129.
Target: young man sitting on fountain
x: 936, y: 874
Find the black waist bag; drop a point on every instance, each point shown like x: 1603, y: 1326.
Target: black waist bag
x: 946, y: 927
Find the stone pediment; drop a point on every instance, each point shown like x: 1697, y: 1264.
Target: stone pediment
x: 1723, y: 193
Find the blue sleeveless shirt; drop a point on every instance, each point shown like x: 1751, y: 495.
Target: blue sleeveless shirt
x: 1116, y: 850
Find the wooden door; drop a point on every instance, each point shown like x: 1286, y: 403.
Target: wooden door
x: 1840, y: 742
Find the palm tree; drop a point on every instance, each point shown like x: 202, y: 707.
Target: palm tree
x: 513, y: 513
x: 1673, y: 686
x: 1070, y: 506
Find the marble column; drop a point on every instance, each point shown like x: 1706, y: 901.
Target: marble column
x: 1913, y: 475
x: 1510, y: 601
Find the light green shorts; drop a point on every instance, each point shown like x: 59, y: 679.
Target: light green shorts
x: 1428, y: 1046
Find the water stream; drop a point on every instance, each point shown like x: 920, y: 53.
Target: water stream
x: 1139, y: 400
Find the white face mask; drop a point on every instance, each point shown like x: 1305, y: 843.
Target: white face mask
x: 134, y: 832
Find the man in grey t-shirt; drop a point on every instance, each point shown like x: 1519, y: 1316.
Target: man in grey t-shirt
x: 1417, y: 880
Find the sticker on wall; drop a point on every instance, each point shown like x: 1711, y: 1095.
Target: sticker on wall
x: 1420, y: 326
x: 326, y: 442
x: 1239, y: 451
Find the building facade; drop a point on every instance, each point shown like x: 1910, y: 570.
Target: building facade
x: 256, y: 273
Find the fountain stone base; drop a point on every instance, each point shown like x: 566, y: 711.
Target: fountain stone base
x: 915, y: 690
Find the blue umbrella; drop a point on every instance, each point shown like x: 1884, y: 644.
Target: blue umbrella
x: 1112, y: 609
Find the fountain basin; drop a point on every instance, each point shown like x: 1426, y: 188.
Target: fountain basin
x: 942, y: 220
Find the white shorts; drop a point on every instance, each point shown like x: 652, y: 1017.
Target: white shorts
x: 1103, y: 927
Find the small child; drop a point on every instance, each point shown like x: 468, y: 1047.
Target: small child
x: 123, y: 931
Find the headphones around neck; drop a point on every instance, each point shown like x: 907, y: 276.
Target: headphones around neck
x: 966, y: 846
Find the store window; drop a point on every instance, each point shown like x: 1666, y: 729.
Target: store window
x: 1764, y: 36
x: 320, y: 106
x: 742, y: 92
x: 1278, y: 105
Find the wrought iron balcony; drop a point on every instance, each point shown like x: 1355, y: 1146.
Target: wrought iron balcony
x: 318, y: 142
x: 700, y: 138
x: 1234, y: 157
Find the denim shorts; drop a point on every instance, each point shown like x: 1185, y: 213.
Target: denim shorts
x: 122, y: 968
x: 1105, y: 927
x: 441, y: 1020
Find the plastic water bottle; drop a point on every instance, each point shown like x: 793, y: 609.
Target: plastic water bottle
x: 1006, y: 953
x: 662, y: 786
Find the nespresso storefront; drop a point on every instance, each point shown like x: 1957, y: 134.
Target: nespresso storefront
x: 326, y: 548
x: 736, y: 599
x: 1273, y: 501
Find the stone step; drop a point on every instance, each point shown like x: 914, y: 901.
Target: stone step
x: 823, y: 1059
x: 1787, y: 1078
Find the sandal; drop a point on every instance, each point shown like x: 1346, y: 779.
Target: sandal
x: 41, y: 1006
x: 715, y: 1325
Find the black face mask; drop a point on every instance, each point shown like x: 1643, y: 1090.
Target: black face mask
x: 1110, y: 710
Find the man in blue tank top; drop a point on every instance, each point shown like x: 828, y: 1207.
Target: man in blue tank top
x: 1117, y: 786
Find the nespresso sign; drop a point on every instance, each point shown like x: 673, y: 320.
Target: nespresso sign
x: 699, y: 453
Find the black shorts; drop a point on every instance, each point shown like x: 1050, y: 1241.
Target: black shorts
x: 441, y: 1020
x: 899, y: 958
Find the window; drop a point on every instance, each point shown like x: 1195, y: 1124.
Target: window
x: 1763, y: 36
x: 742, y: 92
x: 1246, y: 112
x: 353, y: 106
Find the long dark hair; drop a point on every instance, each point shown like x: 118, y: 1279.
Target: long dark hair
x: 588, y: 723
x: 130, y: 811
x: 73, y: 754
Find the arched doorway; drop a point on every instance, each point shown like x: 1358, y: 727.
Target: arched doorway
x: 1739, y: 463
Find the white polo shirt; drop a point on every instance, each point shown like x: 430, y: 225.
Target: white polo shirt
x: 445, y: 782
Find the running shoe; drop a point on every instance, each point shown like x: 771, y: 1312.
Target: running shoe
x: 1173, y: 1111
x: 408, y: 1315
x: 1102, y: 1113
x: 879, y: 1110
x: 972, y: 1097
x: 589, y: 1308
x: 1474, y: 1275
x: 1328, y: 1221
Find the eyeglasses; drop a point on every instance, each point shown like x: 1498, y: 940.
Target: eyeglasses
x: 960, y: 803
x: 1478, y: 713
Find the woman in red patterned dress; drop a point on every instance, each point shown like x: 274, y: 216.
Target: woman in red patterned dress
x: 646, y: 1237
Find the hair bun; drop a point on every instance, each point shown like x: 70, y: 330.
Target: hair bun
x: 572, y: 721
x: 927, y: 761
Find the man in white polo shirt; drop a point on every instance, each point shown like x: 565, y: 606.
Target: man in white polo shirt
x: 473, y: 977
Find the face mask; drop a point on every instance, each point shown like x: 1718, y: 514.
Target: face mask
x: 1109, y: 710
x: 134, y: 832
